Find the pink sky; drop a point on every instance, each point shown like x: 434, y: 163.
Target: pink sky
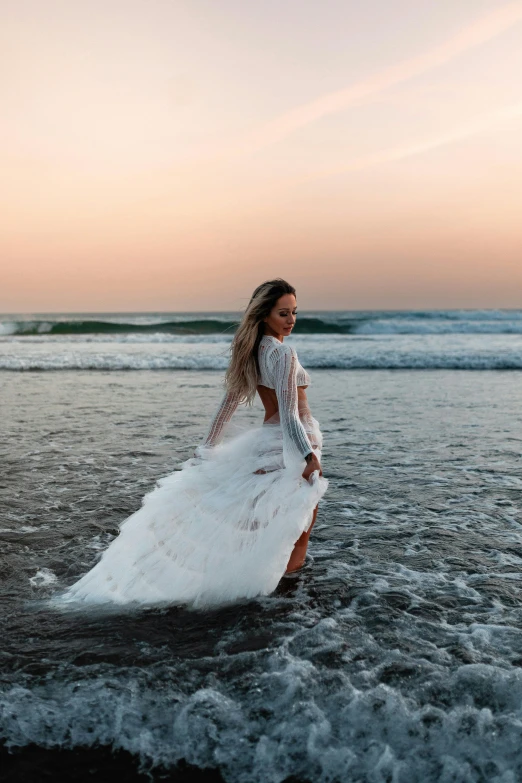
x: 172, y: 155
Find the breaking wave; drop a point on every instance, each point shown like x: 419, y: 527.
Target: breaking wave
x: 349, y: 322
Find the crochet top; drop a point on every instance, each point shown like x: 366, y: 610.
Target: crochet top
x: 279, y: 369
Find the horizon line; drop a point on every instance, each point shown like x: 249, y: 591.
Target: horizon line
x: 231, y: 312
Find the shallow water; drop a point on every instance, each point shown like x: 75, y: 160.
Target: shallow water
x: 395, y: 656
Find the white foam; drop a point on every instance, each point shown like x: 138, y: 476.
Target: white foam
x: 131, y: 338
x: 370, y: 360
x: 81, y: 361
x: 442, y: 326
x: 43, y: 578
x: 8, y: 327
x: 293, y: 719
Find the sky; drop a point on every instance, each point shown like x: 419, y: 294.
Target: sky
x: 172, y: 154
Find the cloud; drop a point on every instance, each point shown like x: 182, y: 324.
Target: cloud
x: 480, y: 31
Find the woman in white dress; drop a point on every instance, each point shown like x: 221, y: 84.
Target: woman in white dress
x: 238, y: 514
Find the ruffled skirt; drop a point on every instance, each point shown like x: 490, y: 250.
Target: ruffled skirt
x: 220, y: 529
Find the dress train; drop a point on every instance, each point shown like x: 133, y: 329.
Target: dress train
x: 220, y: 529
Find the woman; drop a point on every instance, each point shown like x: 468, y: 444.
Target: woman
x: 238, y: 514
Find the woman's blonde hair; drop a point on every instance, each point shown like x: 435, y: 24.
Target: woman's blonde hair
x: 241, y: 377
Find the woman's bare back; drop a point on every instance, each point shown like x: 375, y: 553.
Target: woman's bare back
x: 269, y: 400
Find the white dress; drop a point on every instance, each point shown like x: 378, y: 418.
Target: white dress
x: 223, y: 527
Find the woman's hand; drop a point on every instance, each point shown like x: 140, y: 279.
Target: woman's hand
x: 311, y: 465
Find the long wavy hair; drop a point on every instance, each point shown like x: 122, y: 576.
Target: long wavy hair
x: 242, y: 374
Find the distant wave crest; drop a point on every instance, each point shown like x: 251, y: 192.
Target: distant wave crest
x: 87, y: 327
x: 360, y: 322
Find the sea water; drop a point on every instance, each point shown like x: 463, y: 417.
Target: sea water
x: 396, y: 655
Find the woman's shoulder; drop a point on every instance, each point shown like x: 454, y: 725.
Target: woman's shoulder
x: 277, y: 349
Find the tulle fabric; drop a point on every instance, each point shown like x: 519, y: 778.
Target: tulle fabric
x: 221, y: 528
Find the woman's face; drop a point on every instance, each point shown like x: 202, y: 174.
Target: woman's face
x: 282, y: 316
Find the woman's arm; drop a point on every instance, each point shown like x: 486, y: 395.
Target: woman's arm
x: 296, y: 444
x: 305, y: 415
x: 222, y: 416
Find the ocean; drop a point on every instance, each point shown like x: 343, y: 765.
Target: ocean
x: 443, y: 339
x: 395, y: 656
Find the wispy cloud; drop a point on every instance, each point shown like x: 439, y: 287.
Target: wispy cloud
x: 473, y: 127
x: 480, y: 31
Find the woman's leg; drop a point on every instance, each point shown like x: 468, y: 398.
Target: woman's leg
x: 298, y: 555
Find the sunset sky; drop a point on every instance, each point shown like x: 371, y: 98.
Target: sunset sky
x: 171, y: 155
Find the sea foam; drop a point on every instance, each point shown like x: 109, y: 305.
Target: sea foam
x: 294, y: 719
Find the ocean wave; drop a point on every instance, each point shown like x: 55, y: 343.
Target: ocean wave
x: 202, y: 326
x: 377, y: 361
x: 124, y: 338
x: 87, y: 327
x: 326, y: 323
x: 80, y: 361
x: 439, y: 326
x: 296, y: 719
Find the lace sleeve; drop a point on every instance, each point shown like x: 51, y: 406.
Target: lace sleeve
x: 224, y: 413
x: 295, y: 439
